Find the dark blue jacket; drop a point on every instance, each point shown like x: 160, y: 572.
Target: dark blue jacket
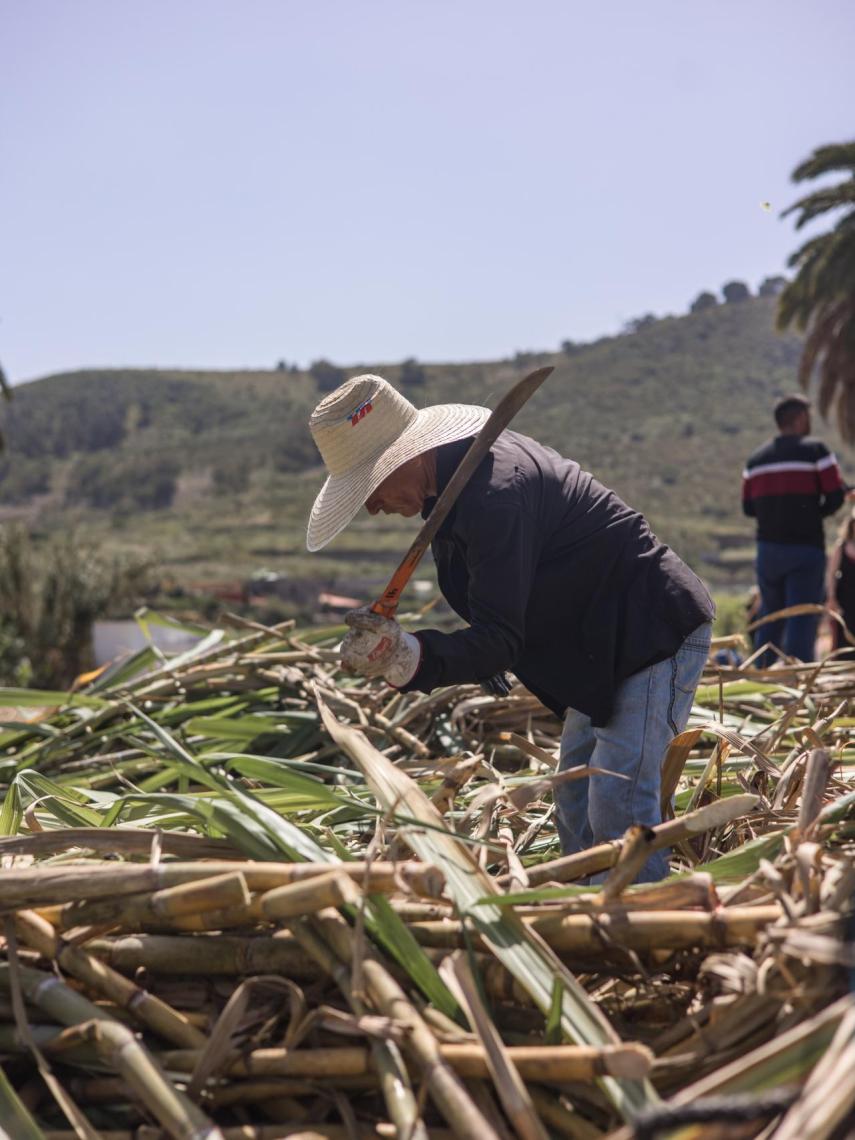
x: 559, y: 580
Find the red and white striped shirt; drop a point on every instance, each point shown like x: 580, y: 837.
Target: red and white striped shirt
x: 789, y: 485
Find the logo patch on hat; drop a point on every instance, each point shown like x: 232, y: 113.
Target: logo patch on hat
x: 360, y: 413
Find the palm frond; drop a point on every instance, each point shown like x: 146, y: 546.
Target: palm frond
x: 827, y: 160
x: 821, y: 201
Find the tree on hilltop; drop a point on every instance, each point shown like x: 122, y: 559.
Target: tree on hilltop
x: 820, y: 300
x: 705, y: 300
x: 639, y: 323
x: 735, y: 291
x: 328, y: 376
x: 412, y: 373
x: 772, y: 286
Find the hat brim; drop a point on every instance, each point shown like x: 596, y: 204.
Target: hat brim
x: 342, y: 496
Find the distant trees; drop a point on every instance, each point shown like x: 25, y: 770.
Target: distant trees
x: 141, y: 482
x: 294, y: 451
x: 230, y: 476
x: 21, y: 478
x: 771, y: 286
x: 821, y: 297
x: 638, y: 323
x: 705, y: 300
x: 412, y: 374
x: 327, y: 375
x: 6, y: 392
x: 569, y: 347
x: 735, y: 291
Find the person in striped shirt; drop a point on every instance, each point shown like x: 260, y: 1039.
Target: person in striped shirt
x: 789, y: 486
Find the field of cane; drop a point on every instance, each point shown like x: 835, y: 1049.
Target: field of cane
x: 245, y: 896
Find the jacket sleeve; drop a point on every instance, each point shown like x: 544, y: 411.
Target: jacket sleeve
x: 747, y: 500
x: 831, y: 485
x: 502, y: 547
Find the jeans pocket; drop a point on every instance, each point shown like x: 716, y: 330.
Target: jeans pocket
x: 690, y: 660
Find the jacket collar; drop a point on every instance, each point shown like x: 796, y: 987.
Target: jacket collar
x: 448, y: 456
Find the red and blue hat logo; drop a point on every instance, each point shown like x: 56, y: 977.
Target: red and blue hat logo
x: 361, y: 412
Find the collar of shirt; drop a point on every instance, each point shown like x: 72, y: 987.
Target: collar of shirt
x: 448, y: 456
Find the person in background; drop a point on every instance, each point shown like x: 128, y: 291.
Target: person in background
x: 841, y: 585
x: 789, y: 486
x: 556, y: 578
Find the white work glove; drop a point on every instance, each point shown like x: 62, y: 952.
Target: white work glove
x: 377, y: 647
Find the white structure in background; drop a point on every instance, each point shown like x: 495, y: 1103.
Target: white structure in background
x: 112, y: 639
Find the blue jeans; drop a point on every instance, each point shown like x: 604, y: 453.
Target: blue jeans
x: 788, y: 575
x: 651, y: 707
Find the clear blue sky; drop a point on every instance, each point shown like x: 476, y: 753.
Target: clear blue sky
x: 224, y: 183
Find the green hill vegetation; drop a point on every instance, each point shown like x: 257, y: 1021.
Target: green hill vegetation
x: 211, y: 474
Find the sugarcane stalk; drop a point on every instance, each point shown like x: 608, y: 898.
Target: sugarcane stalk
x: 182, y: 1119
x: 394, y: 1080
x: 817, y: 774
x: 667, y: 834
x: 15, y: 1120
x: 221, y: 956
x: 44, y: 886
x: 634, y: 930
x: 212, y: 893
x: 113, y: 1090
x: 636, y: 848
x: 330, y: 890
x: 506, y: 1077
x: 147, y: 1008
x: 297, y: 1130
x: 125, y: 840
x: 11, y: 1040
x: 547, y: 1064
x: 559, y: 1119
x: 118, y: 1046
x: 226, y: 918
x: 420, y: 1045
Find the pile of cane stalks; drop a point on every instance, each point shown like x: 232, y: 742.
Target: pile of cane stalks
x: 246, y: 896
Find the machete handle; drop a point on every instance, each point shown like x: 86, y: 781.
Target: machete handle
x: 387, y: 604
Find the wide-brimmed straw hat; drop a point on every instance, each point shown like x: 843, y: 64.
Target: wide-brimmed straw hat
x: 364, y: 430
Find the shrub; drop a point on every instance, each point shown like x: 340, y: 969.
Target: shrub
x: 231, y: 477
x: 138, y: 482
x: 328, y: 376
x: 735, y: 291
x: 412, y: 374
x: 703, y: 301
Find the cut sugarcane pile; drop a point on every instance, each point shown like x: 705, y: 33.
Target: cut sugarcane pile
x: 246, y: 896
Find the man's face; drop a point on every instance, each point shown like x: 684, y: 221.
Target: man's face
x: 401, y: 493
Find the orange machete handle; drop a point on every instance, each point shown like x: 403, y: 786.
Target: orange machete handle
x: 387, y: 604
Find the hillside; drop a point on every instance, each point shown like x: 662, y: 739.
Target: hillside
x: 213, y: 473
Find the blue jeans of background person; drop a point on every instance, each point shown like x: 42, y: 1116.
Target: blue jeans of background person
x: 651, y: 707
x: 789, y: 574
